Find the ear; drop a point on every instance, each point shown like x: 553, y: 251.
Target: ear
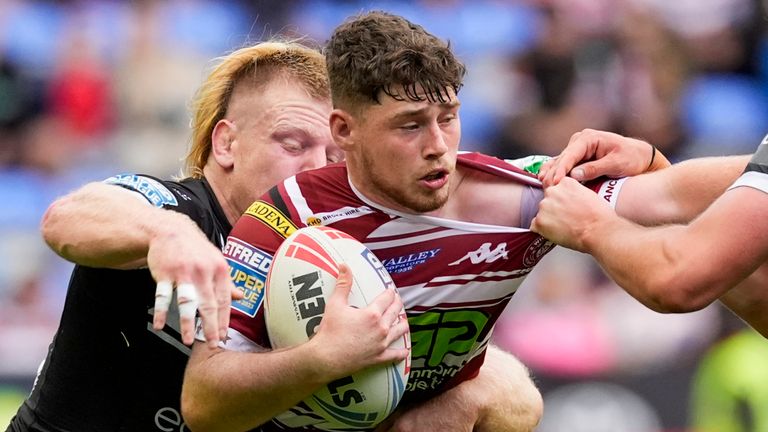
x: 224, y: 134
x: 342, y: 129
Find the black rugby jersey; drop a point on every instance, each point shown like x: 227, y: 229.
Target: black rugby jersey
x: 107, y: 369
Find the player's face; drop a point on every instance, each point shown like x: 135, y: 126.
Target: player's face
x: 405, y: 152
x: 280, y: 131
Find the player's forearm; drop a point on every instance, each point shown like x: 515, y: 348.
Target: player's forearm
x: 749, y: 300
x: 684, y: 268
x: 103, y: 225
x: 648, y: 263
x: 236, y: 391
x: 510, y: 399
x: 679, y: 193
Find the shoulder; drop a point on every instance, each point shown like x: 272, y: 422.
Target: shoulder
x: 488, y: 198
x: 521, y: 170
x: 157, y: 192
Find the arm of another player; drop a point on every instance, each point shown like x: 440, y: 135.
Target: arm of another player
x: 669, y: 269
x: 103, y: 225
x: 749, y: 300
x: 501, y: 398
x: 592, y: 153
x: 672, y: 194
x: 233, y: 391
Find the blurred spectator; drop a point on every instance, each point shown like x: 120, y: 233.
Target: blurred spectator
x: 730, y: 388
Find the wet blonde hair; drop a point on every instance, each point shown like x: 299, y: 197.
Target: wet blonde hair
x: 258, y: 65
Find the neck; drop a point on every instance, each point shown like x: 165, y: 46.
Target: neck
x: 223, y: 195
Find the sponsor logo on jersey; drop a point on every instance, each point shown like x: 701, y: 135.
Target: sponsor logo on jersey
x: 441, y: 342
x: 248, y: 267
x: 609, y: 191
x: 484, y: 254
x: 271, y: 216
x: 406, y: 263
x: 328, y: 218
x: 536, y: 250
x: 153, y: 190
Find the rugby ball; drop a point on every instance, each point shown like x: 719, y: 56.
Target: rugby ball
x: 300, y: 280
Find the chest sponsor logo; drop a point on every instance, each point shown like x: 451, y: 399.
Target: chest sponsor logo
x: 272, y: 217
x: 441, y: 343
x: 484, y: 254
x: 406, y: 263
x: 152, y: 189
x: 328, y: 218
x: 248, y: 267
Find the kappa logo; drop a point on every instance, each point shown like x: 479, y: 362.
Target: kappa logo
x: 484, y: 254
x: 273, y: 217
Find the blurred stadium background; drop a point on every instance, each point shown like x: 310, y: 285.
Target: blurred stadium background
x: 91, y: 88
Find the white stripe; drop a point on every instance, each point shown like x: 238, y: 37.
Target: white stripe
x: 483, y: 274
x: 488, y: 292
x: 398, y: 227
x: 237, y: 341
x: 297, y: 199
x: 609, y: 191
x: 752, y: 179
x: 521, y: 177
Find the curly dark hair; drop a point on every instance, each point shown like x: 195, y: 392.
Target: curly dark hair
x: 378, y: 51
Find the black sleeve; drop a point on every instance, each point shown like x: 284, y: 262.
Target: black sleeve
x: 759, y: 161
x: 169, y: 195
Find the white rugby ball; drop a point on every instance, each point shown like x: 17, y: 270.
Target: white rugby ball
x: 301, y: 278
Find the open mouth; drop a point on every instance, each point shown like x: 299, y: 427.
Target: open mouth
x: 435, y: 175
x: 435, y: 179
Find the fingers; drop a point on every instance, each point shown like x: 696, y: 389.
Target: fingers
x: 163, y: 295
x: 391, y: 314
x: 225, y: 292
x: 188, y: 302
x: 209, y: 292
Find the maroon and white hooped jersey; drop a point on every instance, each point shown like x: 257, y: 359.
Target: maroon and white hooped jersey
x: 454, y: 277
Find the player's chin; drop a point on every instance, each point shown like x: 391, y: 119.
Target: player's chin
x: 428, y: 204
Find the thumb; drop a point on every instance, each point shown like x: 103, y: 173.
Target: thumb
x: 343, y: 284
x: 592, y: 170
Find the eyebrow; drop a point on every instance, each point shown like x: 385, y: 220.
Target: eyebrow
x: 419, y: 111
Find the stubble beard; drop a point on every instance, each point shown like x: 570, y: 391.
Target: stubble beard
x: 398, y: 193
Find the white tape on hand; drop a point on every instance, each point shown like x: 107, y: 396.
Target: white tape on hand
x: 163, y: 295
x: 187, y: 297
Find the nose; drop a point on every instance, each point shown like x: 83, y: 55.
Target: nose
x: 435, y: 144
